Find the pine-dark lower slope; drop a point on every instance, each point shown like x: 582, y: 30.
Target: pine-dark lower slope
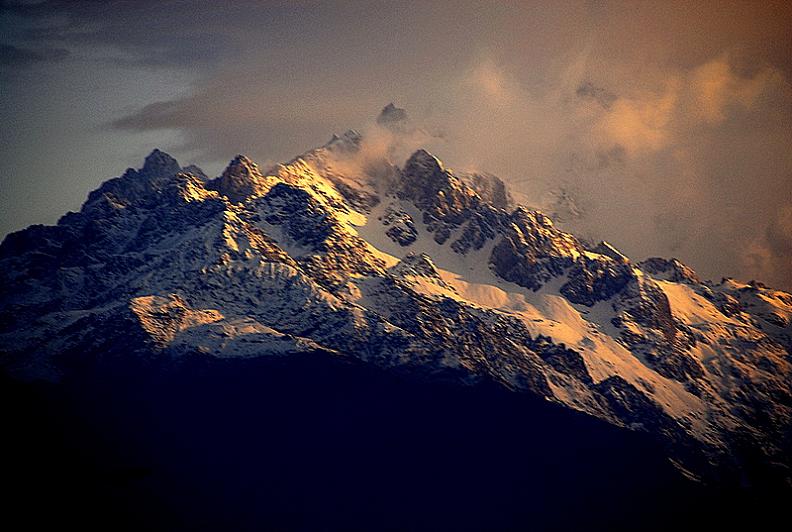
x: 318, y: 442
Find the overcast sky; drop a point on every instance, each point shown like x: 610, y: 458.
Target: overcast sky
x: 670, y: 123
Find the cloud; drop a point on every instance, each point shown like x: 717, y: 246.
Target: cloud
x: 600, y: 95
x: 695, y: 164
x: 13, y: 56
x: 772, y: 250
x: 640, y: 123
x: 717, y: 86
x: 670, y: 123
x: 142, y: 33
x: 257, y: 117
x: 707, y: 161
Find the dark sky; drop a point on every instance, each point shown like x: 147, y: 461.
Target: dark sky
x: 670, y: 122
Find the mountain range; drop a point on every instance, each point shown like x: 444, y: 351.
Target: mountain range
x: 411, y: 268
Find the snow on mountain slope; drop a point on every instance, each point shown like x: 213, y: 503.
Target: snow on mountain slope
x: 408, y: 268
x: 545, y: 312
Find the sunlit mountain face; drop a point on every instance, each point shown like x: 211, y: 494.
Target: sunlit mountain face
x: 397, y: 318
x: 542, y: 289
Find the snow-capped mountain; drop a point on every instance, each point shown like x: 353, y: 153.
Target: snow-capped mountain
x: 409, y: 267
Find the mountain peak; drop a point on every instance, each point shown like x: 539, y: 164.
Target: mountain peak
x: 423, y: 176
x: 241, y: 164
x: 423, y: 162
x: 158, y: 163
x: 392, y: 117
x: 348, y: 141
x: 239, y: 180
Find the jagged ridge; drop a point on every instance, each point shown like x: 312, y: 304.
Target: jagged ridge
x: 422, y: 270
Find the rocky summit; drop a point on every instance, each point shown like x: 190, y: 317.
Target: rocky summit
x: 412, y: 268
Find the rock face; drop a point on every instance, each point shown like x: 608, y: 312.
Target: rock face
x: 672, y: 270
x: 400, y: 227
x: 412, y: 269
x: 532, y: 251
